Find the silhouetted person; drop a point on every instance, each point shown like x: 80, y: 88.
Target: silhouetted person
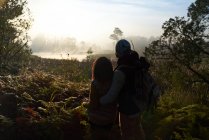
x: 121, y: 90
x: 101, y: 118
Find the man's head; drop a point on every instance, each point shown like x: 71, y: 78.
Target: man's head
x: 122, y: 47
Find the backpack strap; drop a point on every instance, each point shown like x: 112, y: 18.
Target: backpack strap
x: 119, y: 67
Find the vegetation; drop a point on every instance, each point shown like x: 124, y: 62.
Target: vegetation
x: 48, y: 98
x: 72, y: 69
x: 48, y: 107
x: 185, y: 44
x: 51, y: 106
x: 15, y: 21
x: 179, y: 61
x: 117, y: 34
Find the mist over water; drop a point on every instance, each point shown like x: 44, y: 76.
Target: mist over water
x: 71, y: 48
x: 53, y: 55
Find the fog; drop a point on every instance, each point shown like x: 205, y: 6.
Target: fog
x: 55, y: 44
x: 65, y: 47
x: 139, y: 42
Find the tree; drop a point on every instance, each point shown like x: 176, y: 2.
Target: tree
x: 15, y: 20
x: 185, y: 42
x: 90, y: 51
x: 117, y: 34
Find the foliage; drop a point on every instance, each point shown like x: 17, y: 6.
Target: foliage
x: 117, y: 34
x: 184, y: 44
x: 49, y: 107
x: 72, y: 70
x: 186, y: 123
x: 14, y: 23
x: 179, y: 61
x: 178, y: 116
x: 90, y: 51
x: 6, y: 128
x: 2, y: 2
x: 52, y: 95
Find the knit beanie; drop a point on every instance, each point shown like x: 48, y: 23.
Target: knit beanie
x: 122, y: 47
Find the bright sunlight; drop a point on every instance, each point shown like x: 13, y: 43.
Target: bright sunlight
x: 63, y: 18
x: 94, y: 20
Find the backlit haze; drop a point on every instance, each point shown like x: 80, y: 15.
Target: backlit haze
x: 83, y: 24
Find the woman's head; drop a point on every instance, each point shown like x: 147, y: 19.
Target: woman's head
x: 102, y: 70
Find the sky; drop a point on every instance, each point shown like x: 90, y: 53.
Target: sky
x: 94, y: 20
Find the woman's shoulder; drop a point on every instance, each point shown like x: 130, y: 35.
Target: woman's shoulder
x: 100, y: 87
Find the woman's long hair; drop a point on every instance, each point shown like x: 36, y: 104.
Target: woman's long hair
x: 102, y: 70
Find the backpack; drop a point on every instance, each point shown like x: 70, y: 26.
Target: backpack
x: 147, y: 92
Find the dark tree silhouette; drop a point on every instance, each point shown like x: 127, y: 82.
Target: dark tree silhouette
x: 117, y: 34
x: 185, y: 41
x: 15, y: 21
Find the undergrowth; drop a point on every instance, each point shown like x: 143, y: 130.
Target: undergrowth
x: 50, y: 105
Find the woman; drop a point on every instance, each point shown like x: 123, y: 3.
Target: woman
x: 101, y: 118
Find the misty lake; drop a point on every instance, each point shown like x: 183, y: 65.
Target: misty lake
x: 50, y: 55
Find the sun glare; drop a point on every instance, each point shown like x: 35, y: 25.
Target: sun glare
x: 63, y: 18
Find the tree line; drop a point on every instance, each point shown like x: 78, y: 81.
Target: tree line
x: 184, y: 45
x: 15, y: 20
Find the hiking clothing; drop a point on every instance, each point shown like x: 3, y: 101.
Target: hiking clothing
x: 121, y: 89
x: 123, y: 86
x: 117, y: 84
x: 98, y: 133
x: 131, y: 127
x: 98, y: 114
x: 125, y: 98
x: 101, y: 118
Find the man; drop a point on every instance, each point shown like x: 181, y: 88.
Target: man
x: 121, y: 90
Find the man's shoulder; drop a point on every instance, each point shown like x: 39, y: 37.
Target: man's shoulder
x: 119, y: 74
x: 122, y: 67
x: 125, y: 68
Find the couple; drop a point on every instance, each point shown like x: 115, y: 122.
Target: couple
x: 111, y: 93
